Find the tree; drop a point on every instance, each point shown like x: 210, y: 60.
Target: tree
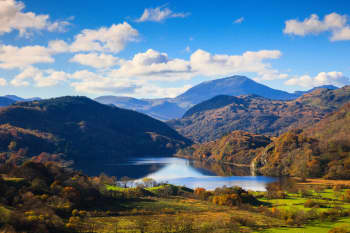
x: 12, y: 146
x: 149, y: 182
x: 125, y: 181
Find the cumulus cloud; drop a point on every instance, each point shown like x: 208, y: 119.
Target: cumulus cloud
x: 40, y: 78
x: 159, y: 14
x: 323, y: 78
x: 239, y: 20
x: 148, y: 73
x: 90, y: 82
x: 112, y: 39
x: 208, y: 64
x: 99, y: 61
x: 105, y: 39
x: 154, y: 65
x: 335, y: 23
x: 138, y: 75
x: 3, y: 82
x: 13, y: 17
x: 15, y: 57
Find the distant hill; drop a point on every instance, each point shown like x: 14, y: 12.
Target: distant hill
x: 6, y: 101
x: 321, y: 150
x: 86, y: 131
x: 162, y: 109
x: 17, y: 98
x: 10, y: 99
x: 220, y: 115
x: 171, y: 108
x: 330, y: 87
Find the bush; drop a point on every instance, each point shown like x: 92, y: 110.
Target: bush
x: 311, y: 204
x: 346, y: 196
x: 342, y: 229
x: 305, y: 193
x: 243, y: 221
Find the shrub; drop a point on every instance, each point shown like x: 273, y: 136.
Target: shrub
x: 305, y: 192
x: 243, y: 221
x: 311, y: 204
x: 346, y: 196
x: 342, y: 229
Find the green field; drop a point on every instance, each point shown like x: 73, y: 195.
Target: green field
x: 155, y: 211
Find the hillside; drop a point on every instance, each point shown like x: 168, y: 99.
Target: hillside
x: 6, y: 101
x: 321, y: 150
x: 237, y: 147
x: 214, y: 118
x: 85, y: 130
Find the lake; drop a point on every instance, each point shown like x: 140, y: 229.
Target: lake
x: 192, y: 174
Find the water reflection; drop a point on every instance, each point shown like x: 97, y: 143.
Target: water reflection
x: 180, y: 171
x: 193, y: 174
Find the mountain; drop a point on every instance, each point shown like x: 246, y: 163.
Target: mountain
x: 171, y: 108
x: 85, y: 130
x: 321, y: 150
x: 6, y: 101
x: 233, y: 86
x: 10, y: 99
x: 330, y: 87
x: 220, y: 115
x: 237, y: 147
x: 16, y: 98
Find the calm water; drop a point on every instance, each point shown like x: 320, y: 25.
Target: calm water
x: 191, y: 174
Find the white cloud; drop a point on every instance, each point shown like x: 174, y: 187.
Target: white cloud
x: 148, y: 73
x: 323, y: 78
x: 239, y: 20
x: 159, y: 14
x: 139, y: 75
x: 58, y: 46
x: 3, y: 82
x: 41, y: 78
x: 213, y: 65
x: 95, y: 60
x: 342, y: 34
x: 335, y: 23
x: 154, y: 65
x: 90, y: 82
x: 188, y: 49
x: 12, y: 18
x: 15, y: 57
x: 112, y: 39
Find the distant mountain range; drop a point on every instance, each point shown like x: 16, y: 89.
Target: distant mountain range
x: 10, y: 99
x: 222, y: 114
x: 171, y: 108
x: 84, y: 130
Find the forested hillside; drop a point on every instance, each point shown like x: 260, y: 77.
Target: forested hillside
x: 322, y: 150
x: 84, y: 130
x: 220, y: 115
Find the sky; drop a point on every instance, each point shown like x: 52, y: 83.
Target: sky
x: 153, y: 49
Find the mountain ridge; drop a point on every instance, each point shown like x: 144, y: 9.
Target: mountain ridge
x: 86, y: 130
x: 256, y: 114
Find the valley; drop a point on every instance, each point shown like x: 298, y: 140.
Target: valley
x: 71, y: 164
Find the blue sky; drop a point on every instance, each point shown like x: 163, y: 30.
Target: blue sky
x: 161, y: 48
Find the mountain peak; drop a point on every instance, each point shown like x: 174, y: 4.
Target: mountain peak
x: 234, y: 86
